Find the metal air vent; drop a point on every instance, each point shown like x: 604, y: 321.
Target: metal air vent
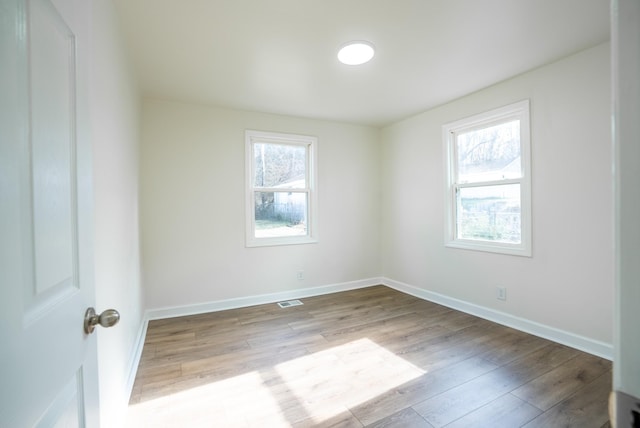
x: 290, y: 303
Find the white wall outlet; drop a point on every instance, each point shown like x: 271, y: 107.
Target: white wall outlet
x: 501, y: 293
x: 300, y: 275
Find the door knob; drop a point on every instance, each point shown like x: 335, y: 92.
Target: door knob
x: 107, y: 318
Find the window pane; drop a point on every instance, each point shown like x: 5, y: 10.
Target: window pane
x: 280, y: 165
x: 490, y: 213
x: 280, y: 214
x: 491, y: 153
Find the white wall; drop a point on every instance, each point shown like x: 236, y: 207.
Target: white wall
x: 193, y: 197
x: 568, y: 283
x: 114, y: 116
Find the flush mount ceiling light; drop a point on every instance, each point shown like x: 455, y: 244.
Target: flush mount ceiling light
x: 356, y: 53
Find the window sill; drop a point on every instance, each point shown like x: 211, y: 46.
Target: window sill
x: 498, y: 248
x: 274, y: 242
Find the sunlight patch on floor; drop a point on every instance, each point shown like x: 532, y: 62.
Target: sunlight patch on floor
x: 223, y: 402
x: 299, y: 391
x: 359, y: 371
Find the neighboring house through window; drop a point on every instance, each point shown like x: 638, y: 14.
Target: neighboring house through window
x: 281, y: 204
x: 489, y: 181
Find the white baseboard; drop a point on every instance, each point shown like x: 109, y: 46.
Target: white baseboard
x: 595, y: 347
x: 242, y: 302
x: 119, y: 419
x: 137, y: 354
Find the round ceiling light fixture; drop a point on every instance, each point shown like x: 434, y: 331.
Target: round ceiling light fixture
x: 356, y: 53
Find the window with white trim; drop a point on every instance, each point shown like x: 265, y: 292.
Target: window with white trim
x: 281, y: 202
x: 489, y: 181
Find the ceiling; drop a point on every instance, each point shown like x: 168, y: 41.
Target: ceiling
x: 279, y: 56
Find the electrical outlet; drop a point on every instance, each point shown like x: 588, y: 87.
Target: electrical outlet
x: 501, y: 293
x: 300, y: 275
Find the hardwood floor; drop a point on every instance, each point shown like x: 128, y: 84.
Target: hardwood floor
x: 373, y: 357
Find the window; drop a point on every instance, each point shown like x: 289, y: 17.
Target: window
x: 488, y: 187
x: 281, y: 205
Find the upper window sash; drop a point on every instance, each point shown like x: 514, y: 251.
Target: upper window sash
x: 461, y: 175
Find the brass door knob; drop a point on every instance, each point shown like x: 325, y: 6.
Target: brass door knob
x: 107, y: 318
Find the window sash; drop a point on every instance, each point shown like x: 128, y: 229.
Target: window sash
x: 286, y: 217
x: 491, y: 221
x: 455, y: 155
x: 266, y: 141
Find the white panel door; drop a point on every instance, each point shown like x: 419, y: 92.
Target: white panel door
x: 47, y: 362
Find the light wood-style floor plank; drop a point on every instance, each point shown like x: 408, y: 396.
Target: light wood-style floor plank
x: 372, y: 357
x: 407, y: 418
x: 551, y: 388
x: 585, y: 408
x: 504, y: 412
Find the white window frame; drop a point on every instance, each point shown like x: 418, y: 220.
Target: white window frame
x: 519, y: 110
x: 253, y: 137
